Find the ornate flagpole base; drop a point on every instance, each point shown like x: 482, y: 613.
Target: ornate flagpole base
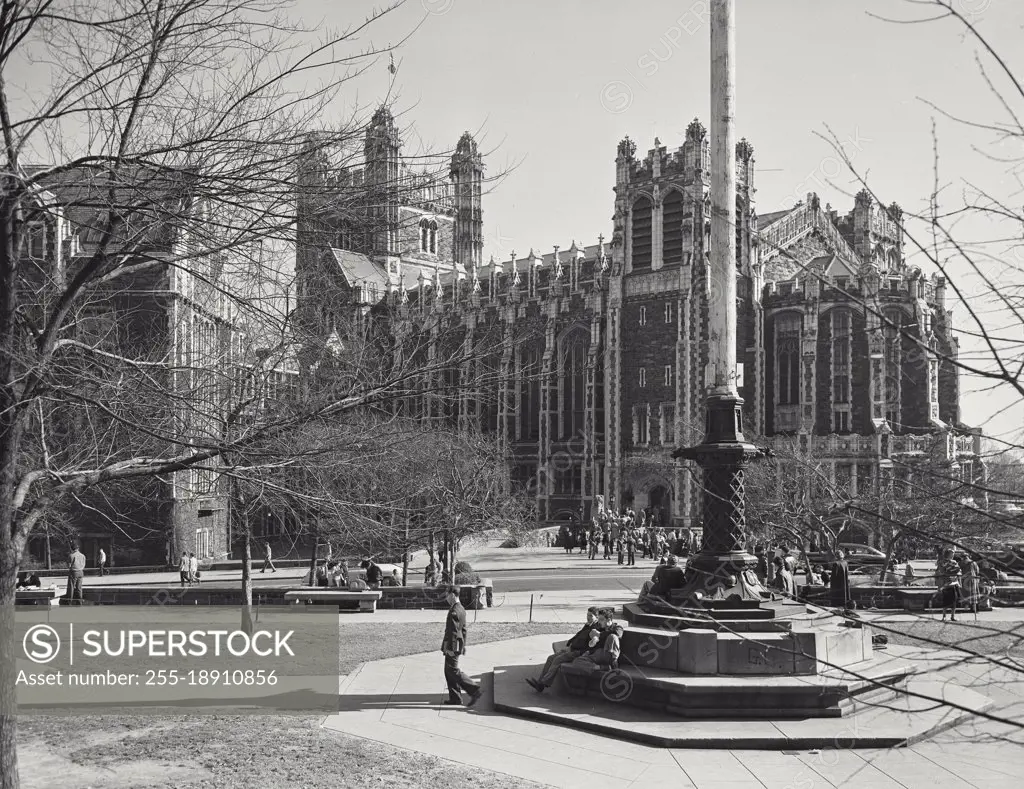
x: 722, y: 570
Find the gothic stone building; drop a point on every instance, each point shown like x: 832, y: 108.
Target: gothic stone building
x: 604, y: 373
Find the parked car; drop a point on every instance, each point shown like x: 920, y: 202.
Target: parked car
x: 856, y: 556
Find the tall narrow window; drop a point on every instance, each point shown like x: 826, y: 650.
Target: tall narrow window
x: 668, y: 423
x: 643, y: 377
x: 841, y: 340
x: 668, y: 312
x: 643, y: 316
x: 641, y: 424
x: 892, y: 339
x: 424, y: 236
x: 572, y: 384
x: 640, y: 241
x: 787, y: 354
x: 433, y: 238
x: 672, y: 228
x: 529, y: 394
x: 668, y: 375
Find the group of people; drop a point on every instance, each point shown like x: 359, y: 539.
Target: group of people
x: 623, y: 534
x: 188, y: 569
x: 335, y: 574
x: 596, y: 646
x: 962, y: 582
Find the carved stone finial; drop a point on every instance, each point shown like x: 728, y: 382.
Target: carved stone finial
x: 627, y: 148
x: 696, y: 131
x: 557, y: 263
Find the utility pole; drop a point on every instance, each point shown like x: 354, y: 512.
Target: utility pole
x: 722, y: 569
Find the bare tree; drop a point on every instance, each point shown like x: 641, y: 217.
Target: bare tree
x: 147, y: 209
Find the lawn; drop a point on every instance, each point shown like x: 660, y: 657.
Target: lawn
x: 242, y: 752
x: 983, y: 637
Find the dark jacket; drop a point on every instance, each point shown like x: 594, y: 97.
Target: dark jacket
x: 455, y: 630
x: 580, y: 641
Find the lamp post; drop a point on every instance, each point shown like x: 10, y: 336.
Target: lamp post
x: 722, y: 569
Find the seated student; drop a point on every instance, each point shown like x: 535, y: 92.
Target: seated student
x: 395, y: 579
x: 587, y: 639
x: 671, y: 577
x: 575, y: 647
x: 336, y: 576
x: 605, y: 653
x: 814, y: 576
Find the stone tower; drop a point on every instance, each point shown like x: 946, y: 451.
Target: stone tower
x: 381, y: 152
x: 467, y: 173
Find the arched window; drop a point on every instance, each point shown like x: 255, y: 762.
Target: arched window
x: 433, y: 238
x: 641, y: 239
x: 424, y: 236
x: 841, y: 342
x: 572, y: 384
x: 787, y: 356
x: 672, y: 225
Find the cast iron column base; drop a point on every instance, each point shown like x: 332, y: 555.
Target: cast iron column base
x: 723, y: 569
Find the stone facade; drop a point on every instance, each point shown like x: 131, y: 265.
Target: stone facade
x: 606, y: 372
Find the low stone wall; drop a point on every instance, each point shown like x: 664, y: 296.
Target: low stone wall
x: 890, y: 597
x: 398, y: 597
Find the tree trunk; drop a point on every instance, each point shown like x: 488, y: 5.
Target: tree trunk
x: 8, y: 693
x: 247, y: 624
x: 49, y: 555
x: 312, y: 558
x: 405, y: 555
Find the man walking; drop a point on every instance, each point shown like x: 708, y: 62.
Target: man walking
x: 630, y: 548
x: 193, y: 568
x: 183, y: 570
x: 453, y: 647
x: 102, y: 562
x: 268, y: 557
x: 76, y: 572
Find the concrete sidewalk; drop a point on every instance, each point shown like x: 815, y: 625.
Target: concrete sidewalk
x: 398, y: 702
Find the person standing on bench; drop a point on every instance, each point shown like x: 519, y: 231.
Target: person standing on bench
x: 268, y: 558
x: 76, y: 573
x: 573, y: 649
x: 453, y: 647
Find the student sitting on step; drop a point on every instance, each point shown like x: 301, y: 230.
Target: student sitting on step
x: 604, y: 654
x: 589, y: 637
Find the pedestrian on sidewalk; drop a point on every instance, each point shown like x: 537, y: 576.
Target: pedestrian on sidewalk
x: 193, y: 568
x: 76, y: 574
x: 947, y: 574
x: 630, y: 548
x: 453, y: 646
x: 268, y: 557
x: 183, y: 570
x: 101, y: 562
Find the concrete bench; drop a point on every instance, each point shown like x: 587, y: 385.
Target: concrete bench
x: 46, y: 596
x: 365, y: 602
x: 917, y: 599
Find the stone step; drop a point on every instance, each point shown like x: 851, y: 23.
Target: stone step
x: 719, y: 613
x: 661, y: 622
x: 737, y: 698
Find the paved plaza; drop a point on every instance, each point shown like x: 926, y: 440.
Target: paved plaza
x: 398, y: 701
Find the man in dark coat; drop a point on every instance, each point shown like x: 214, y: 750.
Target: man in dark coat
x: 839, y: 582
x: 453, y: 647
x: 574, y: 648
